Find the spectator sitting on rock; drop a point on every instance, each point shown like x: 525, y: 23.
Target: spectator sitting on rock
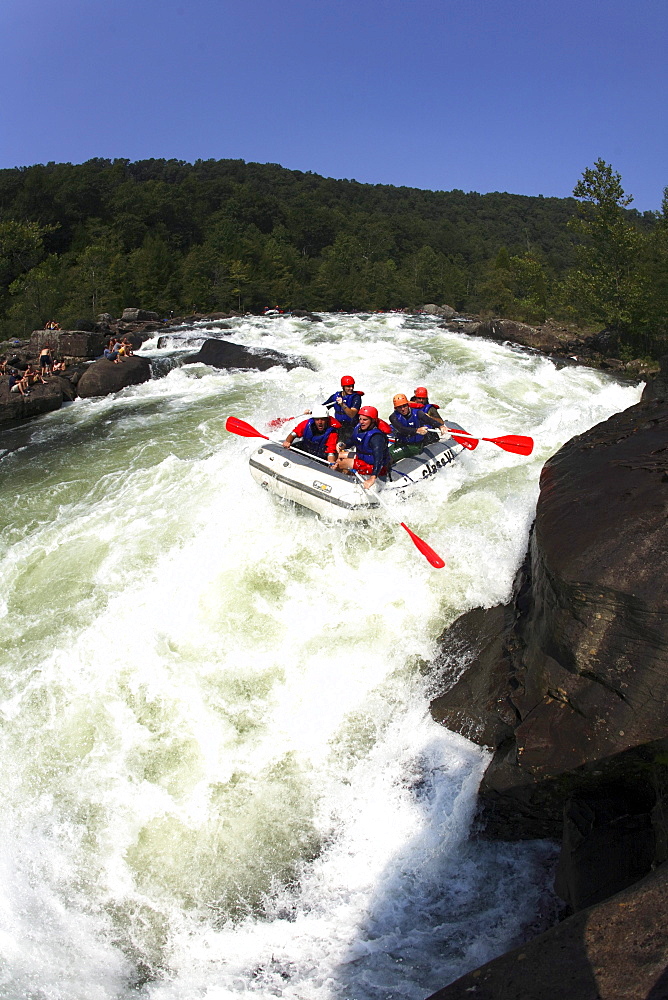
x: 111, y: 351
x: 18, y: 383
x: 58, y: 366
x: 33, y: 376
x: 118, y: 347
x: 128, y: 348
x: 3, y: 364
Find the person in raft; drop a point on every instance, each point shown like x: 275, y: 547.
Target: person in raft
x: 411, y: 428
x: 346, y: 403
x: 420, y: 401
x: 372, y: 458
x: 318, y: 434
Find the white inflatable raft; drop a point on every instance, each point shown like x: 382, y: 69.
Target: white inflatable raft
x: 297, y: 476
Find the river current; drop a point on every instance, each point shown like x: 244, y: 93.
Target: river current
x: 220, y: 773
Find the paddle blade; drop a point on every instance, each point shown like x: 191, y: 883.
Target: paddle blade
x: 235, y: 426
x: 468, y: 442
x: 426, y: 550
x: 515, y: 443
x: 278, y: 422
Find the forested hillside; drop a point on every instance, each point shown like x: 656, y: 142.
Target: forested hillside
x: 78, y: 240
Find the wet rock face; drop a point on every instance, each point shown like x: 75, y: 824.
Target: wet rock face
x: 103, y: 376
x: 223, y: 354
x: 617, y: 950
x: 42, y: 399
x: 594, y: 672
x: 570, y: 682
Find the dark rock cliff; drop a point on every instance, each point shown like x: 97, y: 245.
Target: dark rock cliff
x: 569, y: 683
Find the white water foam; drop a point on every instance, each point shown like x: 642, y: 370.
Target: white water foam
x: 222, y: 774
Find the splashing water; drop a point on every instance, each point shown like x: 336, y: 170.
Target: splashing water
x: 221, y: 776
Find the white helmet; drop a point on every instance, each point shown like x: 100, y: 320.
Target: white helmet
x: 318, y: 412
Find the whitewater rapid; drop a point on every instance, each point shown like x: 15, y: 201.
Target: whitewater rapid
x: 220, y: 773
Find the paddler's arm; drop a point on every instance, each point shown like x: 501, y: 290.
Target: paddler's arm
x: 351, y: 411
x: 428, y: 421
x: 296, y: 433
x: 330, y: 445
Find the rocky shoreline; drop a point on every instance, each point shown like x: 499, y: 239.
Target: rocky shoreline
x: 87, y: 374
x: 568, y: 684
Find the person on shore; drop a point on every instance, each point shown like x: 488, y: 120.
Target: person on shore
x: 18, y: 382
x: 33, y: 376
x: 411, y: 428
x: 372, y: 457
x: 111, y: 351
x: 59, y: 366
x: 46, y: 360
x: 346, y: 403
x: 318, y: 435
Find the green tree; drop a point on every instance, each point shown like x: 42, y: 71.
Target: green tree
x: 155, y: 274
x: 607, y: 284
x: 21, y: 247
x: 37, y: 296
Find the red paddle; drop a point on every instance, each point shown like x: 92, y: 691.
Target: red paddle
x: 245, y: 430
x: 279, y: 421
x: 426, y: 550
x: 419, y: 543
x: 516, y: 443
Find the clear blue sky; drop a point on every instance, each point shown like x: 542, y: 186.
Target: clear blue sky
x: 482, y: 95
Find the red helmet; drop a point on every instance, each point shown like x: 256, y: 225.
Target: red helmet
x: 347, y: 380
x: 368, y: 411
x: 421, y: 392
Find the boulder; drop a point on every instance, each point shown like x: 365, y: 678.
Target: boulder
x: 617, y: 950
x: 42, y: 399
x: 223, y: 354
x: 304, y: 314
x: 573, y: 694
x: 542, y: 339
x: 139, y: 316
x: 104, y: 377
x: 70, y: 345
x: 657, y: 388
x: 444, y: 311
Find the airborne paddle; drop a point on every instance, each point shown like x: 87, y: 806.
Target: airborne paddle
x: 419, y: 543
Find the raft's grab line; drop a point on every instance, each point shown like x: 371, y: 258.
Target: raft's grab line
x: 318, y: 489
x: 299, y: 477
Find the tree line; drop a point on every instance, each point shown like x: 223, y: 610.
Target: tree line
x: 216, y: 235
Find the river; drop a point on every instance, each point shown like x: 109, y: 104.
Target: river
x: 220, y: 773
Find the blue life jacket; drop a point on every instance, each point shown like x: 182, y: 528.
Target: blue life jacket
x: 410, y: 420
x: 353, y: 401
x: 318, y: 440
x: 426, y: 407
x: 362, y: 441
